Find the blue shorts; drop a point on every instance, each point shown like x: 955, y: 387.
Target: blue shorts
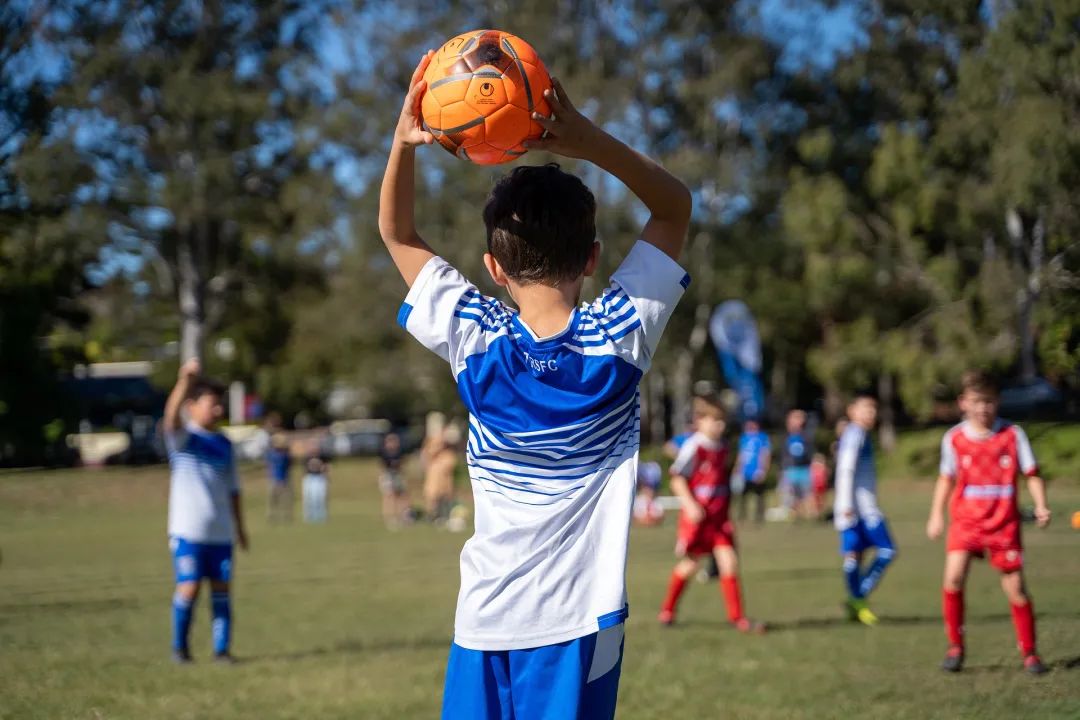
x: 862, y: 537
x: 195, y: 561
x: 573, y: 679
x: 798, y: 477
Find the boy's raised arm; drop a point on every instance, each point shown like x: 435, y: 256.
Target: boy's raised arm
x: 669, y: 202
x: 397, y: 198
x: 188, y: 372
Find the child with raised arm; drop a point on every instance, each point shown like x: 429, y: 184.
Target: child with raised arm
x: 981, y: 459
x: 552, y: 392
x: 204, y: 507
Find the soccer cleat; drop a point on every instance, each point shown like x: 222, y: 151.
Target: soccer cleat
x: 954, y: 659
x: 224, y: 659
x: 666, y: 618
x: 859, y: 611
x: 1034, y: 665
x: 181, y: 656
x: 746, y: 625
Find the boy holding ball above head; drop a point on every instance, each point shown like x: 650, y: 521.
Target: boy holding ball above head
x: 552, y: 394
x: 204, y: 506
x: 980, y: 461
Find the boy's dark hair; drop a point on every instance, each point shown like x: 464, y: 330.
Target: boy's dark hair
x: 541, y: 224
x: 864, y: 394
x: 979, y: 381
x: 205, y: 386
x: 709, y: 404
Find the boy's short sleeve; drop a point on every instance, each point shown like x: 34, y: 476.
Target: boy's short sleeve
x: 948, y: 457
x: 635, y: 309
x: 1028, y: 465
x: 446, y: 312
x: 175, y: 440
x: 686, y: 461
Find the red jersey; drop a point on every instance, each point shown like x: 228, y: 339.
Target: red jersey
x: 985, y: 469
x: 704, y: 464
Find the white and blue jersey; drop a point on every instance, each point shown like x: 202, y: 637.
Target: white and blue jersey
x: 855, y: 510
x: 552, y: 448
x: 202, y: 483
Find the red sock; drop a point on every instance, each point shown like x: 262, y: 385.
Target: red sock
x: 952, y: 608
x: 674, y: 590
x: 729, y: 586
x: 1024, y: 622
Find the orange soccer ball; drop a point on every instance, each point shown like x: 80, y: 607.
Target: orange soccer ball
x: 482, y: 88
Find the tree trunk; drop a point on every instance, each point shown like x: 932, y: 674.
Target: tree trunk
x: 1030, y: 298
x: 778, y: 382
x: 887, y: 422
x: 683, y: 382
x: 1028, y: 263
x: 191, y: 290
x: 656, y: 419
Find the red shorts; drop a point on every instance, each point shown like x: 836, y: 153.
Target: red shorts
x: 1002, y: 548
x: 701, y: 539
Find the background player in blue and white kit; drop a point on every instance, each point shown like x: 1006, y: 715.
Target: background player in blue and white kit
x: 204, y: 507
x: 552, y: 394
x: 856, y: 513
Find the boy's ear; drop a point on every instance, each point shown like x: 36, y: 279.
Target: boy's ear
x: 496, y: 271
x: 594, y: 258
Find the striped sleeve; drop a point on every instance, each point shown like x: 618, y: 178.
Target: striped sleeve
x: 447, y: 314
x: 633, y: 312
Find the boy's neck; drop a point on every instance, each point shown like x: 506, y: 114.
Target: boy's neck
x: 978, y: 428
x: 546, y: 309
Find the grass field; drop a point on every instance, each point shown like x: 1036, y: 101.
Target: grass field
x: 349, y: 620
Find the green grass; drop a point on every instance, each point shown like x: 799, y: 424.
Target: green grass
x: 352, y: 621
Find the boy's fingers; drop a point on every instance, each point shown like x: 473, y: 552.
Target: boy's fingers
x: 415, y: 94
x: 421, y: 67
x: 564, y: 100
x: 554, y: 102
x: 544, y: 122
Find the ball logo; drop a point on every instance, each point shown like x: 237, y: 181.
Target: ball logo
x: 965, y: 461
x: 487, y: 89
x: 1006, y: 462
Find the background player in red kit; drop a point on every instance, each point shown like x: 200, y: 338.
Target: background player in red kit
x: 982, y: 457
x: 699, y: 477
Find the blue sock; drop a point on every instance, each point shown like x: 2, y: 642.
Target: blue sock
x: 851, y: 577
x: 222, y: 625
x: 181, y: 615
x: 873, y: 574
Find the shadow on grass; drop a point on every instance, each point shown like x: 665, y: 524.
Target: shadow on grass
x: 1071, y: 663
x: 354, y: 646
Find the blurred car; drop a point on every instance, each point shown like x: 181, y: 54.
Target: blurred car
x: 1032, y: 398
